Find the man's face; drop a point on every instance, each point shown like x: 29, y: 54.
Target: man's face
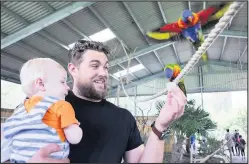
x: 91, y: 76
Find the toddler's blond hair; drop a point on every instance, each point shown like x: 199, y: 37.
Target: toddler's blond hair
x: 34, y: 69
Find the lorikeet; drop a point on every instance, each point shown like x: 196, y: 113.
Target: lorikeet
x: 171, y: 72
x: 189, y: 26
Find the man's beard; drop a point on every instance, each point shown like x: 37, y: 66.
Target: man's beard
x: 88, y: 91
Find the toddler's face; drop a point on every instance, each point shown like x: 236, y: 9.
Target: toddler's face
x: 56, y: 83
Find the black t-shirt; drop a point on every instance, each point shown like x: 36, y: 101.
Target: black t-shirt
x: 108, y: 131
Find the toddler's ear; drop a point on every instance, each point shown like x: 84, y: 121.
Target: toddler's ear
x: 39, y: 84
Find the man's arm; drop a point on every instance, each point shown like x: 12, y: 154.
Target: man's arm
x: 152, y: 153
x: 154, y: 150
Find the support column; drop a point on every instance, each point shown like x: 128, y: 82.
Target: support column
x: 135, y: 103
x: 201, y: 83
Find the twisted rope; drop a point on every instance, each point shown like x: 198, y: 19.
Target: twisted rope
x: 212, y: 36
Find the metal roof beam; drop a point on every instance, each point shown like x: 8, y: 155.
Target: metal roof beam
x: 43, y: 33
x: 161, y: 73
x: 189, y: 5
x: 168, y: 43
x: 223, y: 47
x: 162, y: 11
x: 160, y: 61
x: 97, y: 14
x: 65, y: 21
x: 14, y: 15
x: 176, y: 54
x: 133, y: 17
x: 140, y: 29
x: 44, y: 22
x: 204, y: 5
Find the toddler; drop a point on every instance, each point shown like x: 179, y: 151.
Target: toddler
x: 45, y: 117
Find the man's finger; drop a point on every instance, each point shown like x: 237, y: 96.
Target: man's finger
x: 47, y: 150
x: 178, y: 92
x: 181, y: 100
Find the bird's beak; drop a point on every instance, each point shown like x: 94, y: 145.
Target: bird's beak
x: 190, y: 19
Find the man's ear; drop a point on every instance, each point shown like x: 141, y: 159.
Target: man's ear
x: 72, y: 69
x: 39, y: 84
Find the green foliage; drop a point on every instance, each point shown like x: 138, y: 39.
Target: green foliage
x: 239, y: 122
x: 193, y: 118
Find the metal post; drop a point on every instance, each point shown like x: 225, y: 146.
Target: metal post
x: 118, y: 90
x: 201, y: 84
x: 135, y: 103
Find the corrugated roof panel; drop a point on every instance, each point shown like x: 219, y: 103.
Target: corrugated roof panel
x: 148, y: 58
x: 227, y: 81
x: 191, y: 82
x: 213, y: 3
x: 193, y: 70
x: 147, y: 14
x: 132, y: 37
x: 121, y: 22
x: 114, y: 13
x: 10, y: 65
x: 173, y: 10
x: 114, y: 69
x: 9, y: 24
x: 245, y: 57
x: 20, y: 52
x: 184, y: 50
x: 86, y: 22
x: 240, y: 21
x: 31, y: 11
x: 196, y: 6
x: 63, y: 33
x: 151, y: 62
x: 167, y: 55
x: 9, y: 76
x: 133, y: 62
x: 58, y: 5
x: 116, y: 48
x: 214, y: 51
x: 234, y: 47
x: 46, y: 46
x: 141, y: 73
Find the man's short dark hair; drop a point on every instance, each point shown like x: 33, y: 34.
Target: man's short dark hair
x: 80, y: 47
x: 227, y: 130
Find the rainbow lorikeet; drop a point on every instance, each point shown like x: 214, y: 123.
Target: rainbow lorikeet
x: 171, y: 72
x: 189, y: 26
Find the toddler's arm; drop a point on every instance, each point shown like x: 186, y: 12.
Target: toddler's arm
x: 69, y: 123
x: 73, y: 133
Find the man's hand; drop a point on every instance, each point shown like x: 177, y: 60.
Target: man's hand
x: 172, y: 109
x: 42, y: 156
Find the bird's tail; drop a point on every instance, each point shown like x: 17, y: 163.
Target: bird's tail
x: 158, y: 35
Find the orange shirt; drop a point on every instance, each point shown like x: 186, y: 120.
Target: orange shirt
x: 58, y: 116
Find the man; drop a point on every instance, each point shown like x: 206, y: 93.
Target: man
x: 236, y: 140
x: 110, y: 132
x: 230, y: 143
x: 242, y: 144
